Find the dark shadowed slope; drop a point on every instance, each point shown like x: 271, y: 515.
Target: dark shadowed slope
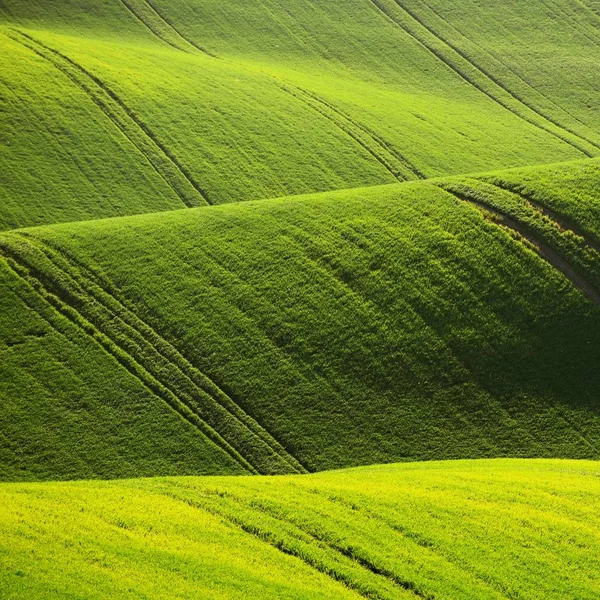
x: 430, y: 320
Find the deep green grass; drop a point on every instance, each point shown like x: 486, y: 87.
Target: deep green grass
x: 214, y: 98
x: 471, y: 530
x: 400, y: 322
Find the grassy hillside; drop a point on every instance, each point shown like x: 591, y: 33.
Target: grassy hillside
x: 472, y: 530
x: 444, y: 319
x: 138, y: 106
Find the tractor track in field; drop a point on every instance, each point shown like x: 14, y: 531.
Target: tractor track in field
x: 36, y: 283
x: 586, y: 31
x: 446, y: 57
x: 561, y: 222
x: 495, y: 81
x: 314, y: 542
x: 495, y: 57
x: 388, y: 156
x: 417, y: 539
x: 124, y: 119
x: 151, y: 358
x: 551, y: 255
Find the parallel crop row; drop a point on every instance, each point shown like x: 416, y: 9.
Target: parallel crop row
x: 388, y: 156
x: 137, y: 132
x: 481, y: 76
x: 148, y: 356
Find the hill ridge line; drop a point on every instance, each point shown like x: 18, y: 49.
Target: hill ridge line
x: 138, y: 133
x: 169, y: 368
x: 472, y: 81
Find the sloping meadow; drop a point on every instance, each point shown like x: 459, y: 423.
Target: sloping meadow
x: 477, y: 530
x: 448, y: 319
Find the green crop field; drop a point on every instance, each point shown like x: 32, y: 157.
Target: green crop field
x: 348, y: 250
x: 467, y: 529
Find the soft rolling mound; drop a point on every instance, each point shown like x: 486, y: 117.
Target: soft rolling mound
x: 473, y: 530
x: 134, y: 106
x: 456, y: 318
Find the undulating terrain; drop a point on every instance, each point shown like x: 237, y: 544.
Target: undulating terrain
x: 294, y: 236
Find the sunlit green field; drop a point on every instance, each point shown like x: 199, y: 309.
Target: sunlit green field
x: 137, y: 106
x: 467, y: 529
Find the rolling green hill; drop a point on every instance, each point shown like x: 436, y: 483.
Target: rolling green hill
x: 315, y: 283
x: 134, y: 106
x: 475, y: 530
x: 454, y: 318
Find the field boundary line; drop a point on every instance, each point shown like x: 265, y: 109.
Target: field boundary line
x: 189, y: 384
x: 525, y: 232
x: 124, y: 119
x: 34, y: 280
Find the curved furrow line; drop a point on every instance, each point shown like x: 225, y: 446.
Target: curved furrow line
x: 324, y: 555
x: 160, y: 360
x: 449, y: 58
x: 377, y: 139
x: 244, y: 431
x: 221, y: 412
x: 381, y: 154
x: 590, y: 12
x: 349, y: 552
x: 525, y: 232
x: 531, y: 89
x: 60, y: 301
x: 149, y: 15
x: 560, y: 221
x: 129, y: 124
x: 388, y: 156
x: 144, y: 13
x: 568, y: 18
x: 499, y: 84
x: 417, y: 539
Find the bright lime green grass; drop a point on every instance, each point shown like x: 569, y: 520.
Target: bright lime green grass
x: 137, y: 106
x: 471, y: 530
x: 402, y: 322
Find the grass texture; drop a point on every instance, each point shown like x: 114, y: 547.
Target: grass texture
x: 454, y: 318
x: 135, y: 106
x: 470, y: 529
